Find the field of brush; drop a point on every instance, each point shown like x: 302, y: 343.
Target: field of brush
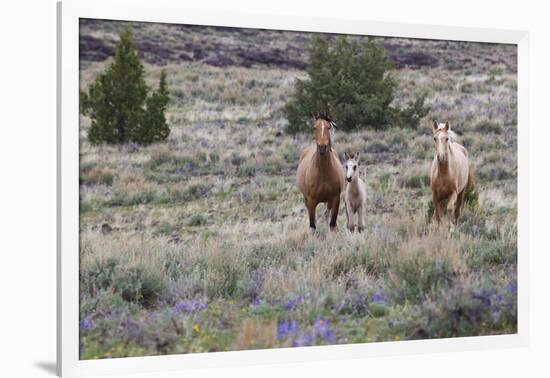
x: 202, y: 243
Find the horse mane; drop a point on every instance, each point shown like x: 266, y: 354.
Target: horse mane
x: 453, y: 137
x: 327, y: 118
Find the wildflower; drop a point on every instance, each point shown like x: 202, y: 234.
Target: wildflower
x: 379, y: 297
x: 294, y: 327
x: 305, y: 339
x: 282, y: 330
x: 322, y: 330
x: 196, y: 328
x: 256, y: 302
x: 87, y: 323
x: 485, y: 296
x: 286, y: 328
x: 291, y: 304
x: 512, y: 287
x: 189, y: 306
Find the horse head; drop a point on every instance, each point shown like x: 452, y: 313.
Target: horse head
x: 322, y: 126
x: 442, y: 138
x: 350, y: 166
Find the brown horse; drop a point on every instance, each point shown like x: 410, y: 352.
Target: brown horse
x: 450, y: 174
x: 320, y: 175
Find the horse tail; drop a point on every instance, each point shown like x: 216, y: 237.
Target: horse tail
x: 470, y: 184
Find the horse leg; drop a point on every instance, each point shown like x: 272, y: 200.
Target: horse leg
x: 458, y: 206
x: 334, y: 205
x: 360, y: 218
x: 310, y: 205
x: 327, y: 213
x: 450, y: 208
x: 349, y: 215
x: 437, y: 209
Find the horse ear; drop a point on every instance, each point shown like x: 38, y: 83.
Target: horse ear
x: 357, y: 157
x: 346, y: 156
x: 435, y: 125
x: 447, y: 126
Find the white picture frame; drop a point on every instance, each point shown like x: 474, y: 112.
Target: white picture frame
x: 166, y: 11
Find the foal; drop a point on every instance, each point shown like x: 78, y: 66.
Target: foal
x: 355, y: 194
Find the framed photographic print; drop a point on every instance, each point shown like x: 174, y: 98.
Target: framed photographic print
x: 240, y: 190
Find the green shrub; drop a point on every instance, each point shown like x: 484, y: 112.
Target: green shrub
x: 347, y: 263
x: 418, y: 275
x: 98, y: 275
x: 489, y: 254
x: 119, y: 103
x: 222, y: 278
x: 97, y: 176
x: 416, y: 181
x: 488, y: 127
x: 266, y: 255
x: 468, y: 312
x: 350, y: 80
x: 139, y: 285
x: 197, y: 220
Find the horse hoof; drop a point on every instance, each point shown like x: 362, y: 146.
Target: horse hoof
x: 360, y: 229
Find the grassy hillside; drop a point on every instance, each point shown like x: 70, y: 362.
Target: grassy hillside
x: 202, y: 243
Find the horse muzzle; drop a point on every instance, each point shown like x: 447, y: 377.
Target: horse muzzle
x: 322, y: 148
x: 348, y: 179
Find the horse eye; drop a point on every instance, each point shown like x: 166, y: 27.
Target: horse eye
x: 447, y: 138
x: 434, y: 139
x: 354, y: 167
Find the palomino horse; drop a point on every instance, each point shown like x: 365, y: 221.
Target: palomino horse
x: 355, y: 194
x: 450, y: 174
x: 320, y: 175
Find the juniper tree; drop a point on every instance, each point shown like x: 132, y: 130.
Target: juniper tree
x: 119, y: 104
x: 351, y: 79
x: 154, y: 127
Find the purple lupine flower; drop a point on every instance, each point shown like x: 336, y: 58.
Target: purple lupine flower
x: 189, y: 306
x: 512, y: 287
x: 283, y: 329
x: 485, y: 296
x: 321, y: 329
x: 87, y: 323
x: 290, y: 305
x: 294, y: 327
x: 305, y: 339
x: 286, y: 328
x: 256, y: 302
x: 379, y: 297
x: 257, y: 276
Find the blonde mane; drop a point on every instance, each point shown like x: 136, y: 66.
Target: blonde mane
x: 453, y: 137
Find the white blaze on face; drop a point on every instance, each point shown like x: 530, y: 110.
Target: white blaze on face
x: 351, y: 168
x: 441, y: 145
